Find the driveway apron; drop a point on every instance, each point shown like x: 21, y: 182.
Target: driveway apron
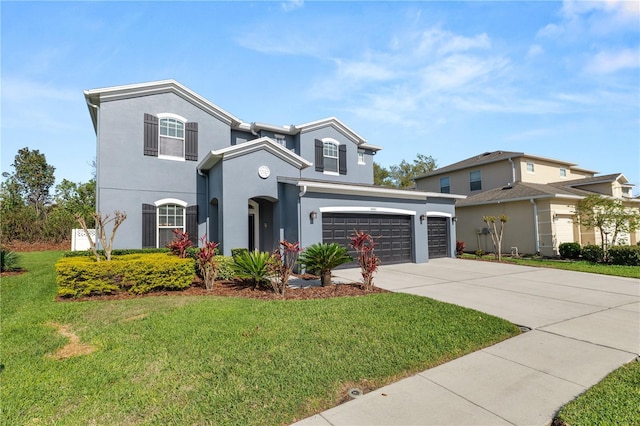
x: 583, y: 326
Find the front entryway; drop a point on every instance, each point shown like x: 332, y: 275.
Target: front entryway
x: 392, y: 234
x: 254, y: 226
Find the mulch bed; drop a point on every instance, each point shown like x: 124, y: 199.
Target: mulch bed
x: 238, y: 288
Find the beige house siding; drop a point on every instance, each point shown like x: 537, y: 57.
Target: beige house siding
x: 546, y: 171
x: 493, y: 175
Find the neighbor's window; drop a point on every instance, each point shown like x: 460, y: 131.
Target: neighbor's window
x: 475, y: 181
x: 445, y: 187
x: 361, y: 156
x: 171, y: 142
x: 330, y: 153
x: 170, y: 217
x: 530, y: 167
x: 563, y: 172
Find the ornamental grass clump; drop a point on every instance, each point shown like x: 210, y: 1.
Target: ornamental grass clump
x: 322, y: 258
x: 364, y: 245
x: 207, y: 262
x: 284, y: 259
x: 255, y: 266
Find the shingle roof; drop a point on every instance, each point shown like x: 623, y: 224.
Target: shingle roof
x: 522, y: 191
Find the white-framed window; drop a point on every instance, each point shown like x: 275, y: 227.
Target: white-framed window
x: 330, y: 154
x: 170, y: 216
x: 563, y: 172
x: 171, y: 137
x: 361, y: 156
x: 530, y: 167
x: 445, y: 186
x: 280, y: 140
x: 475, y: 181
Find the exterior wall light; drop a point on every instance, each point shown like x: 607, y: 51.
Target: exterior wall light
x: 313, y: 215
x: 454, y: 219
x: 423, y: 217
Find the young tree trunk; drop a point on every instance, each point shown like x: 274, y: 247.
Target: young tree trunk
x: 325, y: 278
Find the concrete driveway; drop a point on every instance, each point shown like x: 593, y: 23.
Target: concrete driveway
x: 583, y: 326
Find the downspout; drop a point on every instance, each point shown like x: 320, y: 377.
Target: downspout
x: 207, y: 201
x: 535, y: 225
x: 300, y: 195
x: 513, y: 170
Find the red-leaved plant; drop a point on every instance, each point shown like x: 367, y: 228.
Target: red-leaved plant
x: 284, y: 259
x: 364, y: 244
x: 180, y: 243
x: 206, y: 261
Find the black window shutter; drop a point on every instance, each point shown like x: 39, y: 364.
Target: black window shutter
x: 150, y: 135
x: 319, y: 156
x: 191, y: 141
x: 148, y: 226
x: 342, y: 159
x: 192, y: 224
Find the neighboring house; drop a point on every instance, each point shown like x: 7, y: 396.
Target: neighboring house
x: 171, y: 159
x: 538, y: 195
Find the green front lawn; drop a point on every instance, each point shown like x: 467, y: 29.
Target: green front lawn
x: 613, y: 401
x: 212, y: 360
x: 569, y: 265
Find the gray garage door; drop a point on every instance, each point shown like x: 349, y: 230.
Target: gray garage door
x: 438, y: 237
x: 392, y: 233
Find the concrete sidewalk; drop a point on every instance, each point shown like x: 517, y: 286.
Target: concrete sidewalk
x: 583, y: 327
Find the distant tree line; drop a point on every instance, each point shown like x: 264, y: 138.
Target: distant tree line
x: 402, y: 175
x: 31, y: 212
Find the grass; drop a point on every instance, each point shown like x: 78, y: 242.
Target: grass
x: 210, y: 360
x: 578, y: 266
x: 613, y: 401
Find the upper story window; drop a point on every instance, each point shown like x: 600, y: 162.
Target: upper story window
x: 330, y: 154
x: 170, y: 136
x: 563, y: 172
x: 475, y: 181
x: 361, y: 156
x: 445, y: 187
x: 171, y: 143
x: 530, y: 167
x: 280, y: 140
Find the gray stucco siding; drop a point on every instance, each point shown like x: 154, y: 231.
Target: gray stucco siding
x: 355, y: 173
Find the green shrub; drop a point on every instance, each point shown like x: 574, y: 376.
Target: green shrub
x: 255, y: 265
x: 322, y: 258
x: 236, y: 251
x: 8, y: 260
x: 135, y: 273
x: 570, y: 250
x: 225, y: 265
x: 625, y: 255
x: 116, y: 252
x: 593, y: 253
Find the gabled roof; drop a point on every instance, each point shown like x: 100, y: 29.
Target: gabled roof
x: 522, y: 191
x: 493, y: 157
x: 336, y: 124
x: 264, y: 143
x: 95, y: 97
x: 610, y: 178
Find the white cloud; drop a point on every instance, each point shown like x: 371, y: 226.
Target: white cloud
x: 608, y: 62
x: 290, y: 5
x: 535, y: 50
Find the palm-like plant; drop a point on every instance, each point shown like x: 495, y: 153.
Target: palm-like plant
x: 256, y: 266
x: 322, y: 258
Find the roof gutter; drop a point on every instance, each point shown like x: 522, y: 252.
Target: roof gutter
x: 536, y: 231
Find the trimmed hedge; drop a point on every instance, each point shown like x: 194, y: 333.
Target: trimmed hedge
x: 625, y: 255
x: 115, y: 252
x: 136, y: 273
x: 570, y: 250
x: 593, y: 253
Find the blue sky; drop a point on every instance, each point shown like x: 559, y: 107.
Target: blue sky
x: 445, y: 79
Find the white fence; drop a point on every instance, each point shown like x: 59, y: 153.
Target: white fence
x: 80, y: 240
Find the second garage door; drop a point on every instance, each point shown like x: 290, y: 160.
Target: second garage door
x: 437, y: 237
x: 392, y: 233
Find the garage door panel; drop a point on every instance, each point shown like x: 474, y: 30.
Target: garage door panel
x: 438, y: 237
x: 392, y: 234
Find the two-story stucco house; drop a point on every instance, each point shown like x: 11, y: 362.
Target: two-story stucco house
x: 538, y: 195
x: 171, y: 159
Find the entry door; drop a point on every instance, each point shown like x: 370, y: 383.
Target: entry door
x: 252, y: 232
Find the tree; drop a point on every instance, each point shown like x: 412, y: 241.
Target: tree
x: 402, y: 175
x: 33, y: 177
x: 608, y: 215
x: 496, y: 235
x: 77, y: 198
x: 322, y: 258
x: 101, y: 233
